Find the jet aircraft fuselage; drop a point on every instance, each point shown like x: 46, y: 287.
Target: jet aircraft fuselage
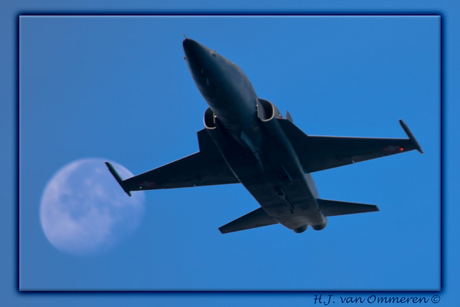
x: 272, y: 172
x: 246, y: 140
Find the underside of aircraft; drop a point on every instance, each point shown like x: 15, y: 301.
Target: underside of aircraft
x: 247, y: 140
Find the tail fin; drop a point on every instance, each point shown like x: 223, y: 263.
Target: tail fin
x: 332, y: 207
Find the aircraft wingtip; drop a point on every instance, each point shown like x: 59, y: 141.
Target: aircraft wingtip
x: 118, y: 178
x: 410, y: 136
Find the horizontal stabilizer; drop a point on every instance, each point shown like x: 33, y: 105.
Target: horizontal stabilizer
x: 254, y: 219
x: 332, y: 207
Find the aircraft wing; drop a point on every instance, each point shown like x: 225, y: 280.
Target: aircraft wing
x: 317, y: 153
x: 206, y: 167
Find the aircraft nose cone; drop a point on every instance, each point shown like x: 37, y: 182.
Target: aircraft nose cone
x: 194, y: 51
x: 188, y: 44
x: 202, y: 64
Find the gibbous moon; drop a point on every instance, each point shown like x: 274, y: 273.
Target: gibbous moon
x: 84, y: 211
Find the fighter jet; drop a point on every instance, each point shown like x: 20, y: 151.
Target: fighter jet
x: 247, y: 140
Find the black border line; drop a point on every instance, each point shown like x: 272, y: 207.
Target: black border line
x: 420, y: 293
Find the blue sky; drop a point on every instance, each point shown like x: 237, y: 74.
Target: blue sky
x: 118, y: 88
x: 107, y: 88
